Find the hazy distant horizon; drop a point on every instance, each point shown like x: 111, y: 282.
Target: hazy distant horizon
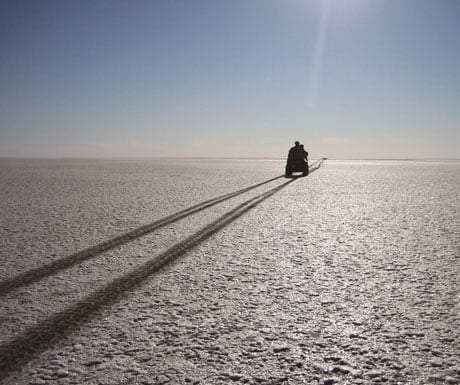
x: 220, y: 158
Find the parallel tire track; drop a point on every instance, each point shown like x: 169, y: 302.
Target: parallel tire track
x: 43, y: 336
x: 39, y: 273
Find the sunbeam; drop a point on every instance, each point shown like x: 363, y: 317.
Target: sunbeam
x: 318, y: 54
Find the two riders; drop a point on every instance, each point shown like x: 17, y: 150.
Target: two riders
x: 297, y: 160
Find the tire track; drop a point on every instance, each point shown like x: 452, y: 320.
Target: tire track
x: 39, y: 273
x: 42, y: 337
x: 54, y: 267
x: 316, y: 165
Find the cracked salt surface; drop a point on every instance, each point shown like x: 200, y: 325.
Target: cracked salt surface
x: 347, y: 276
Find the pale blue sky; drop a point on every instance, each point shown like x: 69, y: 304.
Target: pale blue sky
x: 349, y: 78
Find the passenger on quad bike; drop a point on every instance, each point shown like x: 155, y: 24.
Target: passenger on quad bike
x: 297, y: 160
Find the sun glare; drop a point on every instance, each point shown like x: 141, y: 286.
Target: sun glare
x: 344, y: 10
x: 348, y: 8
x: 318, y: 53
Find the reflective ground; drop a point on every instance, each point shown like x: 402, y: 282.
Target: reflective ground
x: 223, y: 271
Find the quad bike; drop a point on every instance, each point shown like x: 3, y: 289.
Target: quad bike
x: 297, y: 165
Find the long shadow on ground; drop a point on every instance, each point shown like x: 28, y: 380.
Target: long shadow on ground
x: 45, y: 335
x: 54, y: 267
x: 22, y: 349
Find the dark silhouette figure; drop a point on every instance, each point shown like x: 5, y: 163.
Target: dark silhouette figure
x: 297, y: 160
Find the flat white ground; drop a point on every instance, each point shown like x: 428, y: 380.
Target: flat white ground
x: 347, y: 276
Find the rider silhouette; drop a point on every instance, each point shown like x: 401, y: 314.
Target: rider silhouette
x: 297, y: 160
x: 297, y: 152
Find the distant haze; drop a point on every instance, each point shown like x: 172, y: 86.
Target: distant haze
x: 230, y: 78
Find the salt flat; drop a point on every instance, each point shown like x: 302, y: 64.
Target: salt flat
x: 349, y: 275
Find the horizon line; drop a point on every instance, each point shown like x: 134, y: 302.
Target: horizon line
x: 212, y: 157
